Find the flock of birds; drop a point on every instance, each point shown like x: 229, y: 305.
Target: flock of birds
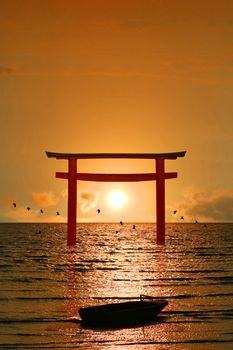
x: 98, y: 211
x: 174, y: 212
x: 28, y: 209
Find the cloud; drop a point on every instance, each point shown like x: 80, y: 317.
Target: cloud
x: 204, y: 206
x: 87, y: 200
x: 19, y: 213
x: 23, y: 215
x: 6, y: 70
x: 45, y: 199
x: 192, y: 74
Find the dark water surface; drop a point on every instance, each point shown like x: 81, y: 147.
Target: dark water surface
x: 43, y: 283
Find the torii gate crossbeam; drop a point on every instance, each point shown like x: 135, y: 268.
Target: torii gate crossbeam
x: 159, y: 176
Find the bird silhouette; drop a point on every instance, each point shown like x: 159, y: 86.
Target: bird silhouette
x: 134, y: 227
x: 196, y: 222
x: 98, y: 211
x: 182, y: 218
x: 58, y: 213
x: 175, y: 211
x: 121, y: 222
x: 28, y: 208
x: 14, y: 205
x: 41, y: 211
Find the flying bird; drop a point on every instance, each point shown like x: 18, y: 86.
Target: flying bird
x: 41, y: 211
x: 121, y: 222
x: 28, y: 208
x: 196, y: 222
x: 174, y: 212
x: 182, y: 218
x: 58, y: 213
x: 98, y: 211
x: 134, y: 227
x: 14, y: 205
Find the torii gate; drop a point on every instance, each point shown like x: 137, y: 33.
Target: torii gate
x: 159, y: 176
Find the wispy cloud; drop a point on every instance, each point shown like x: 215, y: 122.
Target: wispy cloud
x: 7, y: 70
x: 23, y: 215
x: 45, y: 199
x: 87, y: 200
x: 217, y: 206
x: 167, y: 71
x: 23, y: 212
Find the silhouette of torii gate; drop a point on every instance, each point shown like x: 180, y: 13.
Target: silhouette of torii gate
x: 159, y: 176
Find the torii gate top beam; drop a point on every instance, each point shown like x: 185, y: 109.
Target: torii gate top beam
x: 172, y: 155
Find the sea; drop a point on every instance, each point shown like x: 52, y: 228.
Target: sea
x: 43, y: 283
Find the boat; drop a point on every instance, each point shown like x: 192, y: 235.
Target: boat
x: 124, y: 313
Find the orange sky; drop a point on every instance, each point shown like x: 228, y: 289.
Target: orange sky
x: 116, y: 76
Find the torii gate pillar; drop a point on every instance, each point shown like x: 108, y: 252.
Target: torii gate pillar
x: 72, y: 201
x: 160, y: 200
x: 159, y: 176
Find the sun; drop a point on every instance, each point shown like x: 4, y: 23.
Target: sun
x: 117, y: 199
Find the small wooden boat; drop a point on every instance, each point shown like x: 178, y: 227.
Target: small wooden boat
x: 124, y: 313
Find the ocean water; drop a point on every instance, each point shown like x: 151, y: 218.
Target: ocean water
x: 43, y: 283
